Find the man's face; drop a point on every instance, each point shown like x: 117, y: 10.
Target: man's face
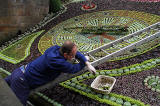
x: 72, y: 54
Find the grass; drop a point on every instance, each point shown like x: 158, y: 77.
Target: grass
x: 18, y: 51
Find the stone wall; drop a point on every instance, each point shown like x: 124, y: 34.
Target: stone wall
x: 20, y: 14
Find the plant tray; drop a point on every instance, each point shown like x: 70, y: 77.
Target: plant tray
x: 103, y: 84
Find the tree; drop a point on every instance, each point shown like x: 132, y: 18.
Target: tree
x: 54, y: 6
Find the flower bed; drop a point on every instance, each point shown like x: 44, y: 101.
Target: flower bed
x: 79, y: 85
x: 18, y: 51
x: 87, y: 42
x: 69, y: 97
x: 153, y: 83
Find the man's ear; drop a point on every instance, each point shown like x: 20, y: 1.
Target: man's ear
x: 65, y: 55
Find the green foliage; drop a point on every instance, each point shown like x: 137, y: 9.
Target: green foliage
x: 102, y: 73
x: 54, y: 6
x: 112, y: 98
x: 90, y: 75
x: 153, y: 83
x: 74, y: 79
x: 4, y: 73
x: 111, y: 30
x: 106, y: 96
x: 68, y: 82
x: 100, y: 95
x: 138, y: 67
x: 48, y: 99
x: 104, y: 88
x: 122, y: 58
x: 126, y: 70
x: 148, y: 64
x: 120, y: 71
x: 132, y: 69
x: 127, y: 104
x: 80, y: 78
x: 78, y: 86
x: 73, y: 84
x: 114, y: 72
x: 85, y: 76
x: 18, y: 51
x: 128, y: 99
x: 87, y: 90
x: 134, y: 105
x: 158, y: 86
x: 108, y: 72
x: 119, y: 101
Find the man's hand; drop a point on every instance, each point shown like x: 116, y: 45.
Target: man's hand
x: 87, y: 57
x: 90, y: 68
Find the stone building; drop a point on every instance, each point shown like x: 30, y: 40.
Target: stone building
x: 18, y: 15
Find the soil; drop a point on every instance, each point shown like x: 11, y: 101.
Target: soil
x: 67, y: 97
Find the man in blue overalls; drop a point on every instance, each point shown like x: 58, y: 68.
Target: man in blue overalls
x: 46, y: 68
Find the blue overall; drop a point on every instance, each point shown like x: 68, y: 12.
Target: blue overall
x: 19, y: 85
x: 42, y: 70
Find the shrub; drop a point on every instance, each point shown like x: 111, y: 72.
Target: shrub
x: 100, y: 95
x: 119, y: 101
x: 108, y: 72
x: 97, y: 73
x: 87, y: 90
x: 85, y: 76
x: 132, y: 69
x: 73, y: 84
x: 90, y: 75
x: 54, y: 6
x: 112, y: 98
x: 134, y: 105
x: 148, y: 64
x: 105, y: 96
x: 126, y: 70
x: 114, y: 72
x: 80, y: 77
x: 74, y: 79
x: 120, y: 70
x: 78, y: 86
x: 68, y: 83
x: 102, y: 73
x: 127, y: 104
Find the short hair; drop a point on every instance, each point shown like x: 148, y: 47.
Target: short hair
x: 67, y: 47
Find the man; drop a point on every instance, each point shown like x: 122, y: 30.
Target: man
x: 46, y: 68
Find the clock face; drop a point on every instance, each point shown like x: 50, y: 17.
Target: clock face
x: 89, y: 31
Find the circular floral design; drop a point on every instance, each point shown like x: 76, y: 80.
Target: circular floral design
x: 153, y: 83
x: 132, y: 19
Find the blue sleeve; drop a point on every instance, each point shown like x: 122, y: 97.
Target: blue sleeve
x: 51, y: 48
x: 67, y: 67
x: 73, y: 68
x: 80, y: 57
x: 61, y: 65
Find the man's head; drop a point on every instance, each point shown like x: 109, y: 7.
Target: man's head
x: 68, y: 50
